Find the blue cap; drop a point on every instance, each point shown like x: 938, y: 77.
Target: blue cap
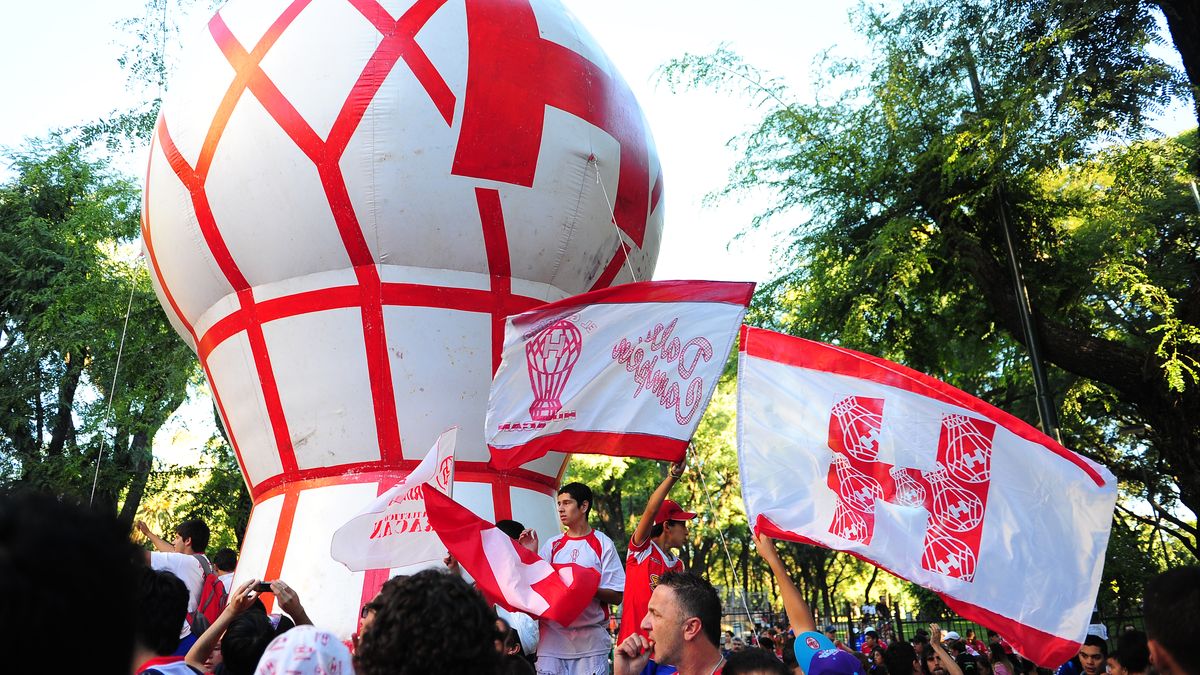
x: 816, y: 655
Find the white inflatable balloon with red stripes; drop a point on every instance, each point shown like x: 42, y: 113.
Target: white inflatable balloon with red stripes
x: 344, y: 200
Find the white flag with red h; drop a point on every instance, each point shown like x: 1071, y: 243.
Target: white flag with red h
x: 854, y: 453
x: 624, y: 371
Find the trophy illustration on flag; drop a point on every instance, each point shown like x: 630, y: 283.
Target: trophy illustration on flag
x: 551, y: 355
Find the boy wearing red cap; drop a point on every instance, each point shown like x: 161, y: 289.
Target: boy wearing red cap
x: 663, y: 527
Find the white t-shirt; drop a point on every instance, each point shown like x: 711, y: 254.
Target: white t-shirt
x: 588, y: 634
x: 189, y: 571
x: 227, y: 579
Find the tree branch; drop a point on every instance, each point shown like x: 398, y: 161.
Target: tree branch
x: 1187, y: 543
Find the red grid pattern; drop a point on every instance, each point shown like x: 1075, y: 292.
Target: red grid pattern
x: 490, y: 44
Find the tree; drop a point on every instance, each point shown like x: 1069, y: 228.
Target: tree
x: 67, y: 279
x: 971, y: 112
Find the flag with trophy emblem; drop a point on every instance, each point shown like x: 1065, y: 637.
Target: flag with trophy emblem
x: 394, y: 530
x: 858, y: 454
x: 624, y: 371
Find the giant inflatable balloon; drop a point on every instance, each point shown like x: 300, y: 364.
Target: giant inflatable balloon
x: 344, y: 200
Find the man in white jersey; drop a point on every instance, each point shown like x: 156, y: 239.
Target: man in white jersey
x: 182, y: 557
x: 581, y: 648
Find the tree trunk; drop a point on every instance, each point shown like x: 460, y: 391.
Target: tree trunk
x: 1183, y: 20
x: 142, y: 460
x: 64, y: 423
x: 870, y: 583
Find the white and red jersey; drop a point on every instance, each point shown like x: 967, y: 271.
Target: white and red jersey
x: 644, y: 565
x: 588, y: 634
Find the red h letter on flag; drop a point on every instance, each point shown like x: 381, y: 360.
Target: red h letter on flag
x: 954, y: 494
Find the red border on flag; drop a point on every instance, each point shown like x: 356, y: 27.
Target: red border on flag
x: 728, y: 292
x: 613, y: 444
x: 801, y: 353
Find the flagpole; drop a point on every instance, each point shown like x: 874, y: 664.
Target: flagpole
x: 721, y: 534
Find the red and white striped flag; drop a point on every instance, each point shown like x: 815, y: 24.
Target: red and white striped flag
x: 507, y: 573
x: 858, y: 454
x: 393, y: 530
x: 624, y: 371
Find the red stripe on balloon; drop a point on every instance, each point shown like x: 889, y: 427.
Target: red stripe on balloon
x: 283, y: 535
x: 233, y: 275
x: 270, y: 388
x: 242, y: 69
x: 204, y: 216
x: 656, y: 191
x: 148, y: 240
x: 495, y: 243
x: 429, y: 77
x: 501, y: 500
x: 614, y: 266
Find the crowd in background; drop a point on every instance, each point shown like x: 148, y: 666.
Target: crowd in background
x: 77, y: 594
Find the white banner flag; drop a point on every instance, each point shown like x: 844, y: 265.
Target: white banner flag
x: 858, y: 454
x: 624, y: 371
x: 394, y: 530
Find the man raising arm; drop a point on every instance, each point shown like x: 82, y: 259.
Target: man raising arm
x: 663, y: 527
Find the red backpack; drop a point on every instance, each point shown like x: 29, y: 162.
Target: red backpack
x: 213, y: 598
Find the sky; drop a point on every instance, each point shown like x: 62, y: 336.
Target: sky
x: 70, y: 49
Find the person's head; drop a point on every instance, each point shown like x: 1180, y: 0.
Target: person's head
x: 955, y: 647
x: 684, y: 614
x: 877, y: 657
x: 671, y: 524
x: 246, y: 639
x: 816, y: 655
x: 305, y: 650
x: 1133, y: 653
x: 970, y: 635
x: 162, y: 601
x: 431, y: 617
x: 920, y: 644
x: 737, y: 644
x: 788, y: 654
x: 872, y: 638
x: 997, y: 653
x: 1172, y: 601
x: 191, y: 536
x: 901, y: 659
x: 574, y: 503
x: 55, y: 554
x: 510, y: 527
x: 1092, y: 654
x: 225, y: 561
x: 754, y: 661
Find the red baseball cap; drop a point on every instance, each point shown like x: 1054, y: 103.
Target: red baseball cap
x: 671, y: 511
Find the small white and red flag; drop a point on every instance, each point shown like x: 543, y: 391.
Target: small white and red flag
x: 625, y: 371
x: 394, y: 530
x: 507, y: 573
x: 858, y: 454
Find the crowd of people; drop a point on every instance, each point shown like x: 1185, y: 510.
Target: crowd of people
x: 77, y: 593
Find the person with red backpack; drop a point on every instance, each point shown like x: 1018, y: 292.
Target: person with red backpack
x: 184, y: 557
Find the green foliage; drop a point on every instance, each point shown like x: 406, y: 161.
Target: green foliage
x: 212, y: 490
x: 897, y: 178
x: 67, y: 279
